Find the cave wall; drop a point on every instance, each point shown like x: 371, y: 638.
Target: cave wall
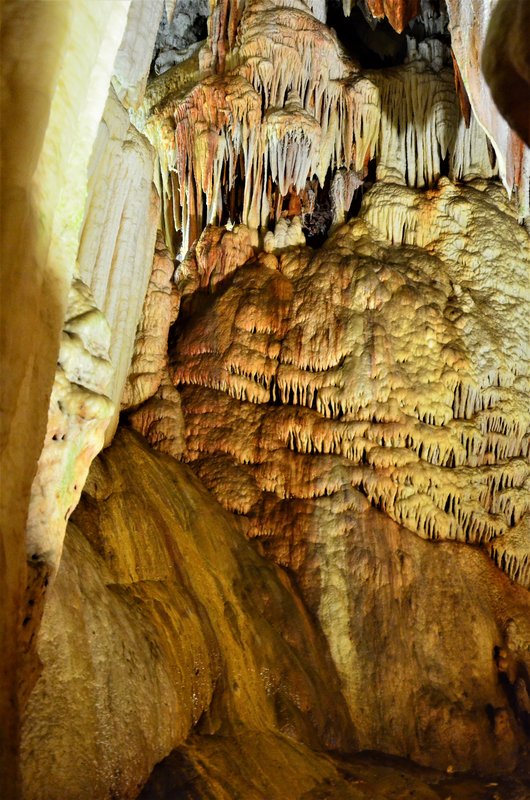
x: 347, y: 403
x: 51, y: 107
x: 59, y: 175
x: 506, y: 75
x: 162, y: 615
x: 384, y: 371
x: 118, y: 236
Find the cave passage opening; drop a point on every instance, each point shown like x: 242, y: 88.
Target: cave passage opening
x: 374, y: 45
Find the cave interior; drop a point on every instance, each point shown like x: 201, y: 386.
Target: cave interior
x: 266, y: 401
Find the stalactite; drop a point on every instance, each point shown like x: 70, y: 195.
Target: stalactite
x: 368, y: 365
x: 290, y: 106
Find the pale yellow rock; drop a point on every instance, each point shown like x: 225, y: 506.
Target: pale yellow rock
x: 119, y: 231
x: 133, y: 59
x: 77, y: 420
x: 287, y: 233
x: 56, y: 66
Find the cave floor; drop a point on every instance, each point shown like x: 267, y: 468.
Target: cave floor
x: 258, y: 766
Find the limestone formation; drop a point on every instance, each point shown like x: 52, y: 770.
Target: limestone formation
x: 398, y: 12
x: 150, y: 633
x: 180, y: 34
x: 336, y: 338
x: 57, y: 62
x: 162, y: 618
x: 78, y: 417
x: 293, y: 106
x: 133, y: 59
x: 331, y: 328
x: 507, y: 69
x: 384, y: 370
x: 119, y: 231
x: 236, y: 767
x: 149, y: 362
x: 469, y: 23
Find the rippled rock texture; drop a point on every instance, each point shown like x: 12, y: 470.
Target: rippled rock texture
x: 359, y: 410
x: 363, y: 407
x: 163, y: 617
x: 166, y: 629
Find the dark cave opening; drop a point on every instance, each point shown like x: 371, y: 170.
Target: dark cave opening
x: 375, y: 44
x: 232, y: 195
x: 445, y: 166
x: 177, y: 37
x: 516, y: 691
x: 316, y: 224
x: 373, y: 47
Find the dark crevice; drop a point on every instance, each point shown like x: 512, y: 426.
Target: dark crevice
x: 316, y: 225
x: 373, y: 47
x: 522, y: 680
x: 275, y: 396
x: 176, y: 37
x: 233, y: 197
x: 356, y: 203
x: 445, y: 166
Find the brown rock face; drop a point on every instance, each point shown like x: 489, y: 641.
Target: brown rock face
x: 347, y: 567
x: 166, y: 629
x: 224, y: 768
x: 162, y: 614
x: 321, y: 388
x: 149, y: 361
x: 506, y: 63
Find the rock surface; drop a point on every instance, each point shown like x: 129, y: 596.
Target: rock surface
x: 149, y: 362
x: 163, y: 617
x: 469, y: 25
x: 363, y: 408
x: 164, y: 622
x: 180, y: 33
x: 119, y: 232
x: 321, y: 388
x: 52, y: 97
x: 507, y: 69
x: 225, y: 768
x: 292, y: 106
x: 78, y: 417
x: 133, y: 60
